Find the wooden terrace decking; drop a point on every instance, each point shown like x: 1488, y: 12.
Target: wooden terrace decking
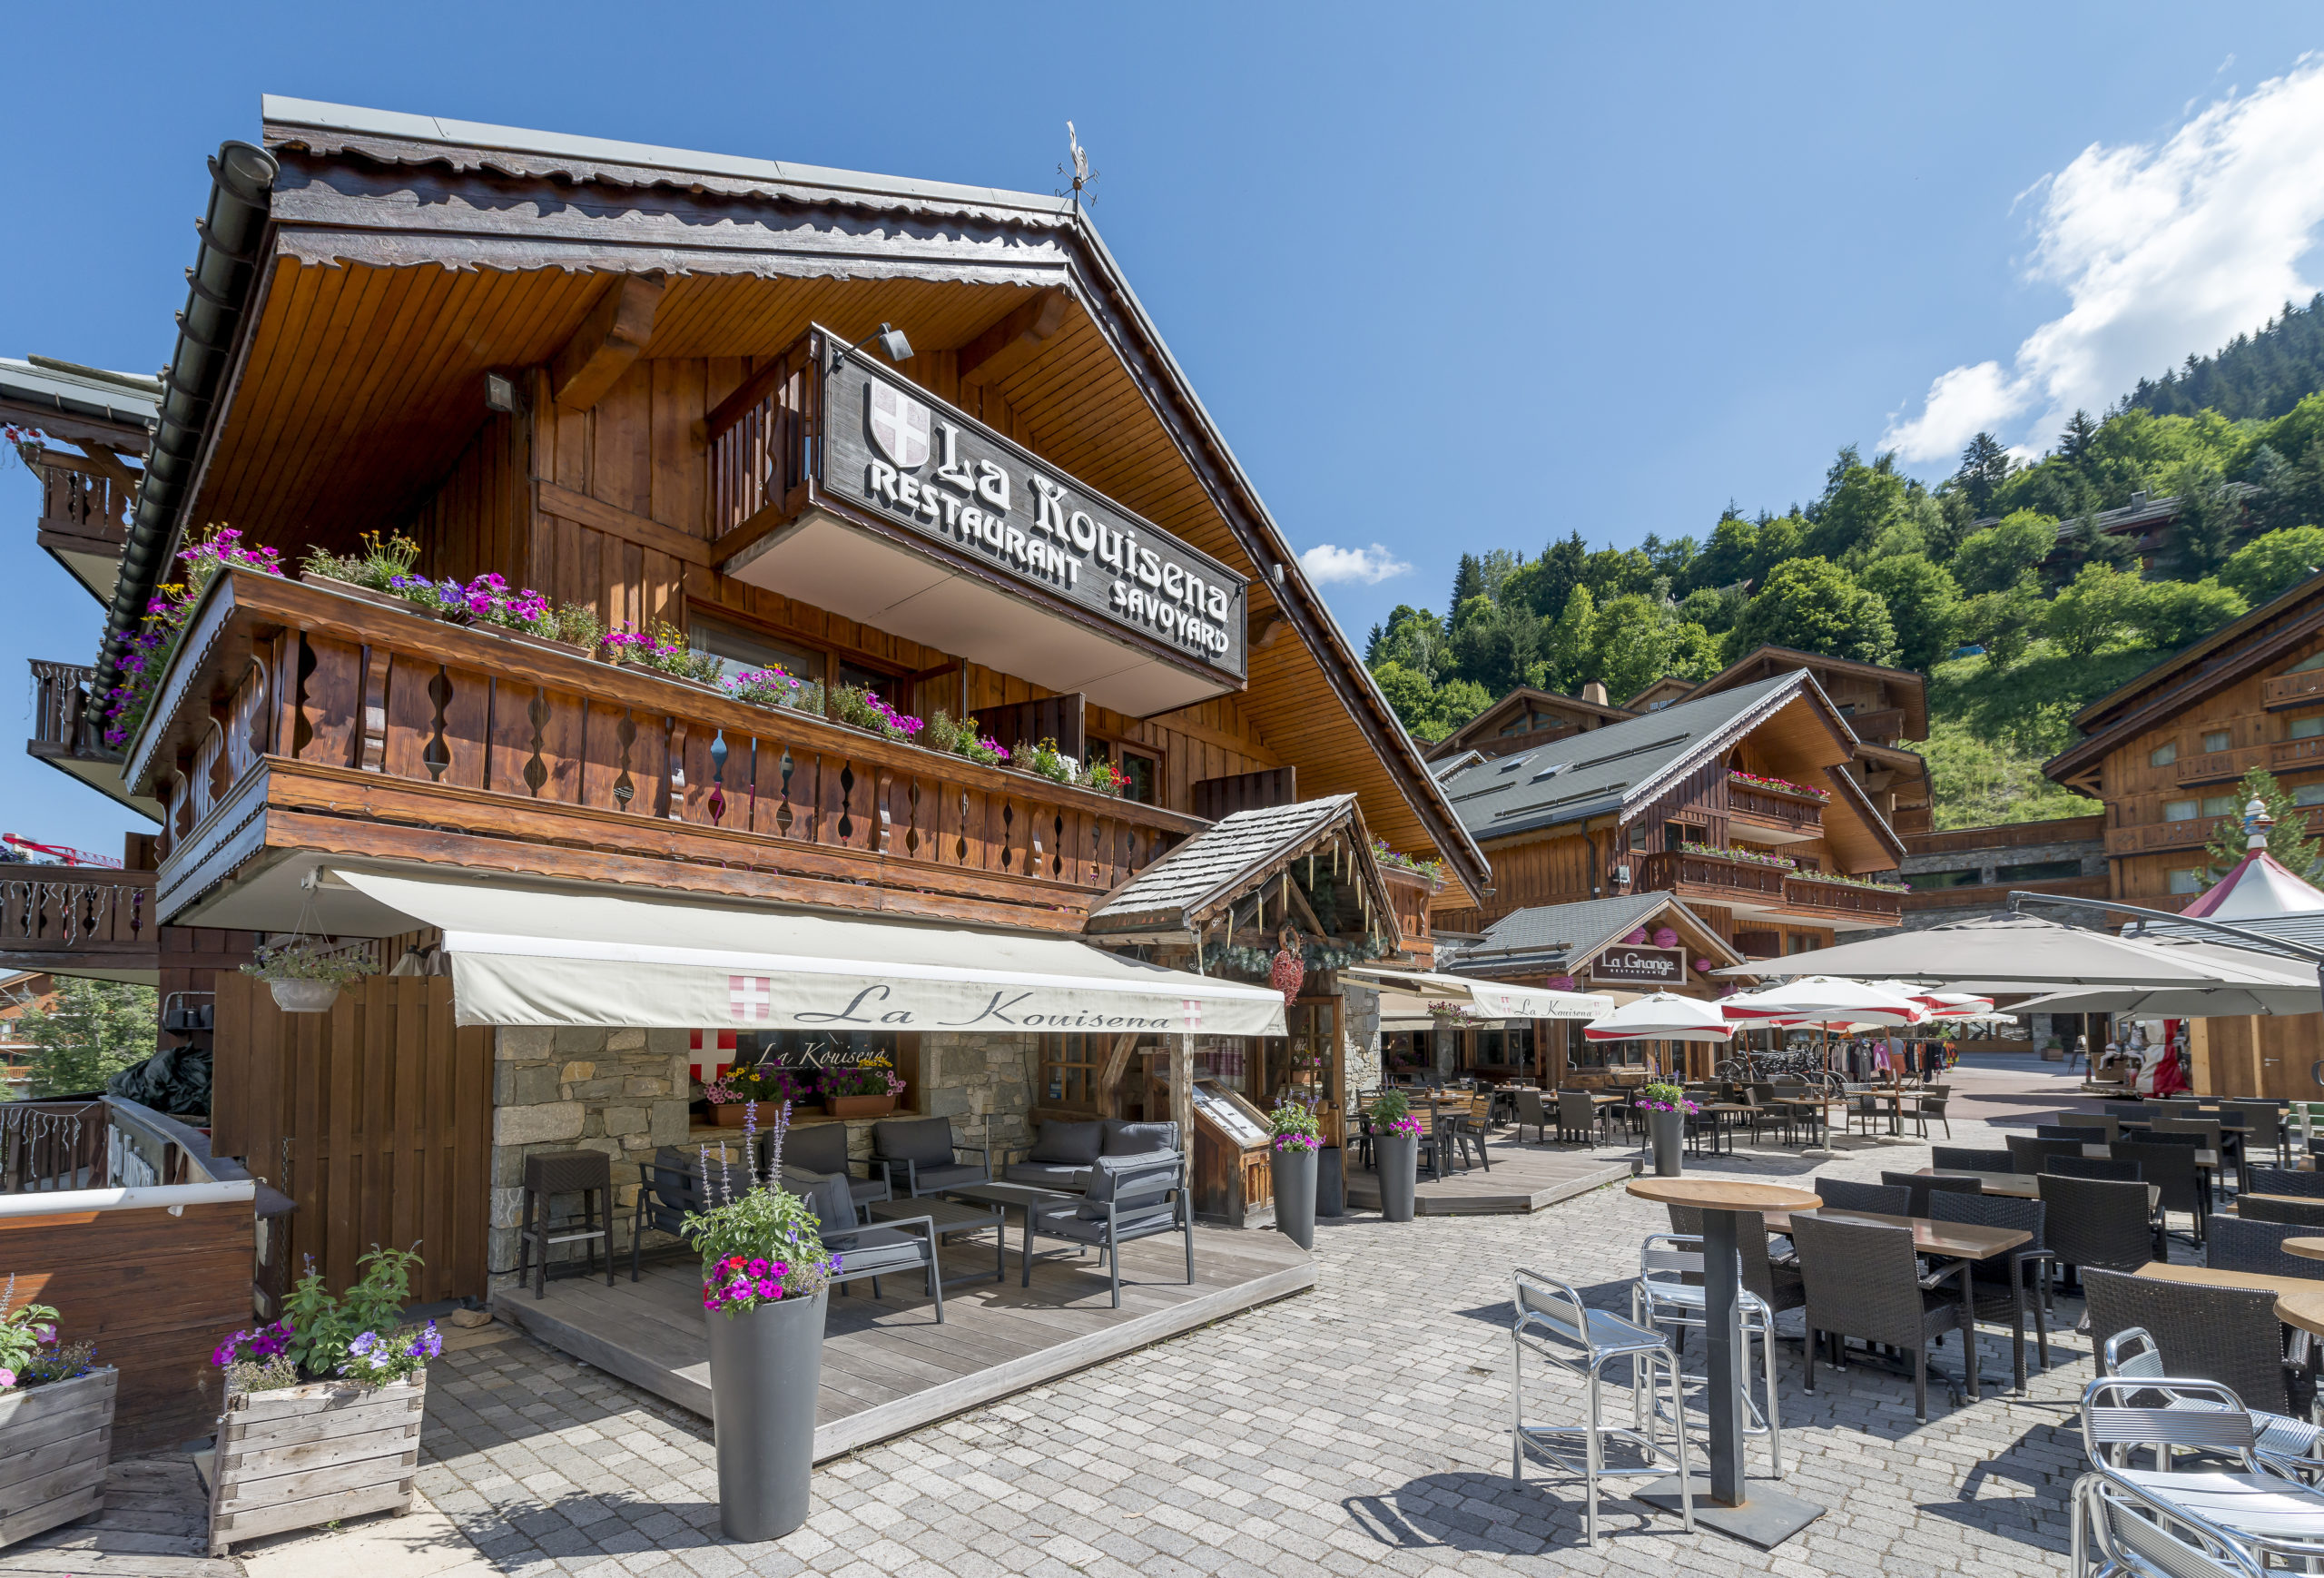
x: 888, y: 1366
x: 1525, y: 1176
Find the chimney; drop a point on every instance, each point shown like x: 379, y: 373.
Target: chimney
x: 1595, y: 691
x: 2138, y: 502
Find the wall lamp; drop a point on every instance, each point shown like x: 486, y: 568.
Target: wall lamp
x: 891, y: 342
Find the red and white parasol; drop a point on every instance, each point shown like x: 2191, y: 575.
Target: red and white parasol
x: 1664, y: 1016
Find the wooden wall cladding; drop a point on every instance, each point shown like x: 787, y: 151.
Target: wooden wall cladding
x: 156, y: 1293
x: 376, y: 1117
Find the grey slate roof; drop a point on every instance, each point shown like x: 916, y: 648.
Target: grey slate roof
x: 1589, y: 774
x: 126, y: 398
x: 1217, y: 863
x: 1555, y: 936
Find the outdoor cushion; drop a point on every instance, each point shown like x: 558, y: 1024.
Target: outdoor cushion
x: 826, y: 1193
x: 1137, y: 1139
x: 1129, y: 1183
x: 816, y: 1147
x: 927, y: 1180
x: 1076, y: 1144
x: 925, y: 1141
x: 1047, y: 1175
x: 879, y: 1249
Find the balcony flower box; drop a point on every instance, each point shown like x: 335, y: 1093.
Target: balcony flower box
x: 403, y: 604
x: 1741, y: 856
x: 55, y: 1441
x: 858, y: 1106
x: 1778, y: 786
x: 298, y: 1456
x: 1841, y: 879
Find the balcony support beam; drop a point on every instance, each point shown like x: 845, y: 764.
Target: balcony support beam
x: 610, y: 338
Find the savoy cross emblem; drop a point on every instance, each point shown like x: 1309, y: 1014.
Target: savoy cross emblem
x: 898, y: 425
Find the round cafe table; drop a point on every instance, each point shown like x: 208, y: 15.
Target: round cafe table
x: 2306, y: 1249
x: 1764, y: 1517
x: 2302, y: 1308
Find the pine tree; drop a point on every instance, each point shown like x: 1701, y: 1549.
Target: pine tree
x: 1468, y: 581
x: 2080, y: 432
x: 2288, y: 840
x: 1984, y: 467
x: 91, y: 1032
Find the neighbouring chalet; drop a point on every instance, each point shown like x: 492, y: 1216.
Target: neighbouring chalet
x: 1744, y: 804
x: 653, y: 384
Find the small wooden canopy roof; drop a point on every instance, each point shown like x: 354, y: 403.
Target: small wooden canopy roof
x: 1240, y: 871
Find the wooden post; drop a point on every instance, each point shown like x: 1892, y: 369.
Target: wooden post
x: 2259, y: 1085
x: 1182, y: 1091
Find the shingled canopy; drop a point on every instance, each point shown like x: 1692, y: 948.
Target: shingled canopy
x: 1308, y: 866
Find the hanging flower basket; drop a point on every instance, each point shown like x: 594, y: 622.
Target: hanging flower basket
x: 304, y: 973
x: 1289, y: 969
x: 1452, y: 1013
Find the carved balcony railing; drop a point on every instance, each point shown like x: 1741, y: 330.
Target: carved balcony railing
x: 62, y: 721
x: 2292, y: 689
x: 293, y: 717
x: 1707, y: 875
x: 2222, y: 766
x: 83, y: 519
x: 78, y: 918
x: 1795, y: 813
x: 1877, y: 906
x: 1409, y: 894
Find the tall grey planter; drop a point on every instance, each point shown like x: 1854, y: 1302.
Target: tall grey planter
x: 1294, y: 1196
x: 766, y: 1365
x: 1669, y: 1132
x: 1399, y: 1163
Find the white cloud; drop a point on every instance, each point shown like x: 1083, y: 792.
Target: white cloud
x: 1325, y: 564
x: 2162, y: 249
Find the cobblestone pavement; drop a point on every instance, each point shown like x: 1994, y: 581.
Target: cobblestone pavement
x: 1360, y: 1427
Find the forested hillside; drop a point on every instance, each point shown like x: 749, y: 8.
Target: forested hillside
x: 1996, y: 582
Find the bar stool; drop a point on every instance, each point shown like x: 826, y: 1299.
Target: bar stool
x: 1662, y: 1297
x: 549, y: 1173
x: 1556, y: 1327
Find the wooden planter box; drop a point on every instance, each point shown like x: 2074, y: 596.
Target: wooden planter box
x: 55, y: 1443
x: 858, y: 1106
x: 303, y: 1455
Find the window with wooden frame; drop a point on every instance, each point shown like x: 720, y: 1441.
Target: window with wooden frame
x: 1141, y: 768
x: 1071, y: 1067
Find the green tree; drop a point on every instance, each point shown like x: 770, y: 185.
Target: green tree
x: 2210, y: 517
x: 91, y: 1032
x: 2170, y: 614
x: 2268, y: 566
x: 1468, y: 581
x: 1784, y: 537
x: 1924, y: 604
x: 2288, y: 840
x: 1995, y: 558
x: 1715, y: 609
x: 1551, y: 579
x: 2075, y: 444
x: 2004, y: 623
x: 1412, y: 695
x: 1814, y: 605
x: 1495, y: 646
x: 1615, y: 572
x: 1731, y: 555
x: 1866, y: 500
x: 2097, y: 609
x: 1458, y: 702
x: 1414, y: 638
x: 1984, y: 467
x: 1570, y: 646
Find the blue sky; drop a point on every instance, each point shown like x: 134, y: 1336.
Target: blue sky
x: 1450, y: 278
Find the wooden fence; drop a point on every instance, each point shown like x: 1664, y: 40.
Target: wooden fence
x: 376, y: 1117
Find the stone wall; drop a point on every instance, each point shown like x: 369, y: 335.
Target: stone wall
x: 621, y: 1092
x: 984, y: 1083
x: 1361, y: 1033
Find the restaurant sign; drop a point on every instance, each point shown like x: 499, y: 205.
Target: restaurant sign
x: 894, y: 450
x: 1643, y: 966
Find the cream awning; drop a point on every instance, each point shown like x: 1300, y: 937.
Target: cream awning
x: 1492, y: 1000
x: 528, y: 956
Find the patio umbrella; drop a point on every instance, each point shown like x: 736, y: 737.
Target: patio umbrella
x: 1826, y: 999
x: 2180, y: 1001
x: 1664, y: 1016
x: 2015, y: 952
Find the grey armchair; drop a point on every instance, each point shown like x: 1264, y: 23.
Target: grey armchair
x: 821, y: 1148
x: 1577, y: 1117
x: 1840, y: 1194
x: 1128, y: 1197
x: 2098, y: 1223
x: 1532, y: 1114
x: 919, y: 1156
x: 1863, y: 1281
x: 1063, y: 1150
x: 2005, y: 1286
x: 2228, y: 1335
x: 872, y: 1252
x: 669, y: 1191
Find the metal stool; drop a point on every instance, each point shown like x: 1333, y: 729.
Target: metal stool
x: 1553, y: 1325
x: 1660, y: 1298
x: 549, y: 1173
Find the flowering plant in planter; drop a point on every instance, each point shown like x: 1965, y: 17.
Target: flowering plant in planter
x: 1661, y: 1096
x: 1747, y: 857
x: 1294, y: 1127
x: 1452, y: 1013
x: 358, y: 1337
x: 1106, y: 778
x: 1782, y: 785
x: 759, y: 1246
x: 30, y: 1354
x: 1393, y: 1114
x: 759, y: 1082
x: 384, y: 561
x: 1434, y: 869
x: 768, y: 687
x: 123, y: 706
x: 1047, y: 762
x: 303, y: 958
x: 664, y: 650
x: 872, y: 1077
x: 960, y: 737
x: 867, y: 709
x: 1844, y: 880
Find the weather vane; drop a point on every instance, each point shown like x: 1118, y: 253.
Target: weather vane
x: 1083, y: 176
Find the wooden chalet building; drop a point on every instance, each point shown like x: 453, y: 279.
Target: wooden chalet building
x: 651, y: 384
x: 1743, y: 804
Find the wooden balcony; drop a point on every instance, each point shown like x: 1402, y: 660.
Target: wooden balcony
x: 1714, y: 878
x: 1844, y: 901
x: 1787, y: 816
x: 83, y: 519
x: 293, y: 721
x: 85, y: 921
x: 2293, y: 755
x: 66, y: 734
x: 2160, y: 835
x: 1409, y: 894
x: 2292, y: 689
x: 2222, y: 766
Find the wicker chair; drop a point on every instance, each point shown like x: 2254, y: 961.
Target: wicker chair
x: 1774, y: 1279
x: 2306, y: 1214
x: 2284, y: 1180
x: 1918, y: 1187
x: 2228, y: 1335
x: 2002, y: 1286
x: 2172, y: 1169
x: 2097, y: 1223
x: 1863, y: 1280
x: 1962, y: 1158
x: 1532, y: 1114
x: 1840, y: 1194
x: 2028, y: 1154
x: 2263, y: 1127
x: 1577, y: 1118
x: 2111, y: 1126
x: 2247, y: 1244
x: 2096, y: 1167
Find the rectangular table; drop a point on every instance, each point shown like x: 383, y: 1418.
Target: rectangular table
x: 2205, y: 1277
x: 2021, y: 1186
x: 1955, y: 1240
x: 1026, y: 1197
x: 952, y: 1218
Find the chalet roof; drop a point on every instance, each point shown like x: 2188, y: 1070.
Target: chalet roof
x: 486, y: 256
x: 1604, y: 770
x: 42, y: 387
x: 1180, y: 890
x: 2198, y: 670
x: 1553, y: 936
x: 1489, y: 720
x: 1910, y: 687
